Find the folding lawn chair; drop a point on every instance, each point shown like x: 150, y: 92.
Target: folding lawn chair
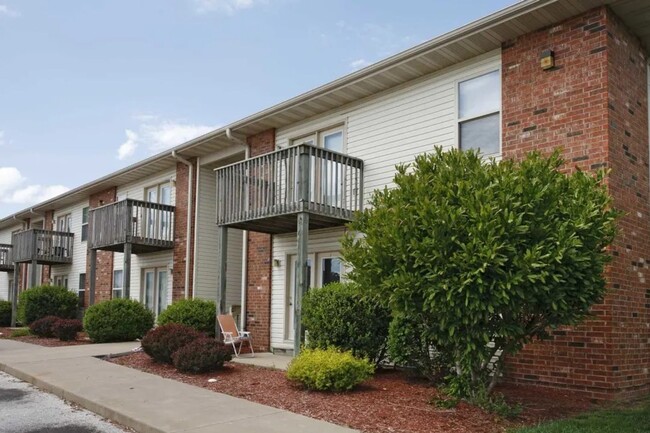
x: 232, y: 335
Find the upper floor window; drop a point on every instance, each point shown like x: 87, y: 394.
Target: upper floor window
x: 330, y: 139
x: 161, y: 194
x: 479, y: 119
x: 63, y: 223
x: 84, y: 224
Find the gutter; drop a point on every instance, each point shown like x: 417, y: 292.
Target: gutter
x: 189, y: 219
x: 244, y: 267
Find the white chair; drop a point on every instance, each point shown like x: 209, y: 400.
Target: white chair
x: 232, y: 335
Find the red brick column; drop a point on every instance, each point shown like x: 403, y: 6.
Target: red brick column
x: 593, y: 105
x: 48, y: 224
x: 180, y: 230
x: 258, y: 274
x: 104, y: 269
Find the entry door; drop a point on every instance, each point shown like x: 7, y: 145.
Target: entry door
x: 292, y: 287
x: 155, y: 289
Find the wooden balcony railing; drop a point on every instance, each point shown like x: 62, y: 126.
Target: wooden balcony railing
x: 146, y: 226
x: 260, y: 193
x: 6, y: 260
x: 46, y: 247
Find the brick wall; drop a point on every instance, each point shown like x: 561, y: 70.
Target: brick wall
x: 180, y: 231
x: 104, y: 263
x: 48, y: 224
x: 258, y: 275
x: 593, y: 105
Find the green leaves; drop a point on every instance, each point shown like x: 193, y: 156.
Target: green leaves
x: 477, y: 249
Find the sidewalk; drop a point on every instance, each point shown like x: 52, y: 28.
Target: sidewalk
x: 142, y: 401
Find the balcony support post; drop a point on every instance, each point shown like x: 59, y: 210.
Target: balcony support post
x: 126, y: 273
x: 14, y: 296
x: 302, y: 273
x: 92, y: 257
x: 223, y: 268
x: 34, y: 273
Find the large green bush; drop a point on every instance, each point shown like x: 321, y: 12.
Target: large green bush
x: 485, y: 251
x: 117, y: 320
x: 343, y: 316
x: 161, y: 343
x: 5, y: 313
x: 197, y: 313
x: 42, y: 301
x: 329, y: 370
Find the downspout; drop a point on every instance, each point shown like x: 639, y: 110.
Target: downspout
x: 189, y: 219
x: 196, y: 216
x: 244, y: 267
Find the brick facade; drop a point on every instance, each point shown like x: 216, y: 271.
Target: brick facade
x: 180, y: 231
x: 258, y: 274
x: 593, y: 105
x: 104, y: 264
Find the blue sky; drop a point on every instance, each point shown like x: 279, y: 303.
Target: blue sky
x: 88, y: 87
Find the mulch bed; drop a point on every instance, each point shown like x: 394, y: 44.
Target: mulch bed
x: 82, y: 338
x: 390, y: 402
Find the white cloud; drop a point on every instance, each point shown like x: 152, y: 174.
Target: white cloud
x: 359, y: 64
x: 13, y: 189
x: 160, y: 135
x: 6, y: 11
x: 228, y: 7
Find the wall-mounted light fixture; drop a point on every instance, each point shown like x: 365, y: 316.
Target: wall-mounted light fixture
x: 276, y: 263
x: 547, y: 60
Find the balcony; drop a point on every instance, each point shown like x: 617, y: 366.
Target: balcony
x: 146, y: 227
x: 266, y: 193
x: 6, y: 261
x: 45, y: 247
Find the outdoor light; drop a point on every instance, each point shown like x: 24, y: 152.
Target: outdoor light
x: 547, y: 60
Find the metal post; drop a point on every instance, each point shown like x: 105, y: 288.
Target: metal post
x: 126, y: 272
x: 223, y: 267
x: 14, y: 297
x: 93, y: 271
x: 302, y: 273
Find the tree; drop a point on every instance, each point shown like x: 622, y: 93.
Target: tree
x: 487, y: 254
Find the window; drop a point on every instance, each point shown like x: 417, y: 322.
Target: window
x: 61, y: 281
x: 158, y: 222
x: 10, y: 293
x: 330, y: 270
x: 118, y: 284
x: 63, y: 223
x: 82, y: 289
x: 479, y: 118
x: 84, y: 224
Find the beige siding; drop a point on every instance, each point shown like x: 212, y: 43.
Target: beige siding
x: 383, y: 131
x: 79, y: 248
x: 5, y: 238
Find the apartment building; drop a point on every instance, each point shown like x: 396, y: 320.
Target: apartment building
x: 251, y: 215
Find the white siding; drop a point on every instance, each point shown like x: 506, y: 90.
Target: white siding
x: 79, y: 248
x: 207, y: 242
x: 161, y: 259
x: 383, y: 131
x: 5, y: 238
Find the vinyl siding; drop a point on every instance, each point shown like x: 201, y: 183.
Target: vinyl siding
x: 160, y: 259
x: 79, y: 248
x: 386, y: 130
x: 207, y: 263
x: 5, y: 238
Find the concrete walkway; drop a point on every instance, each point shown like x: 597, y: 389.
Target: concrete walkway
x: 142, y: 401
x: 265, y: 360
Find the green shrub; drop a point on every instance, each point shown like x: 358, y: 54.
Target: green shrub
x: 197, y: 313
x: 329, y: 370
x: 201, y: 356
x: 342, y: 316
x: 5, y: 313
x: 161, y: 343
x: 409, y: 346
x: 20, y: 332
x: 44, y: 327
x: 117, y: 320
x: 42, y: 301
x: 66, y: 329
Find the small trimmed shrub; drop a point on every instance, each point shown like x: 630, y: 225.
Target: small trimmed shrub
x: 341, y: 315
x: 329, y: 370
x: 44, y: 327
x: 197, y: 313
x: 66, y: 329
x: 117, y: 320
x: 42, y: 301
x: 201, y: 356
x: 21, y: 332
x: 161, y: 343
x: 5, y: 313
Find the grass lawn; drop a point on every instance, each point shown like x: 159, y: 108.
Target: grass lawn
x: 635, y: 419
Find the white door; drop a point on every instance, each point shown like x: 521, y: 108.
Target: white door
x: 292, y: 287
x: 155, y: 289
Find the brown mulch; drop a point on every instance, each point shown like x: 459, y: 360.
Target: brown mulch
x: 390, y: 402
x: 82, y: 338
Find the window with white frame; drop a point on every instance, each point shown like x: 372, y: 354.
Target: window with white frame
x: 118, y: 284
x: 61, y: 281
x: 84, y: 223
x: 479, y: 114
x: 82, y: 289
x: 63, y: 223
